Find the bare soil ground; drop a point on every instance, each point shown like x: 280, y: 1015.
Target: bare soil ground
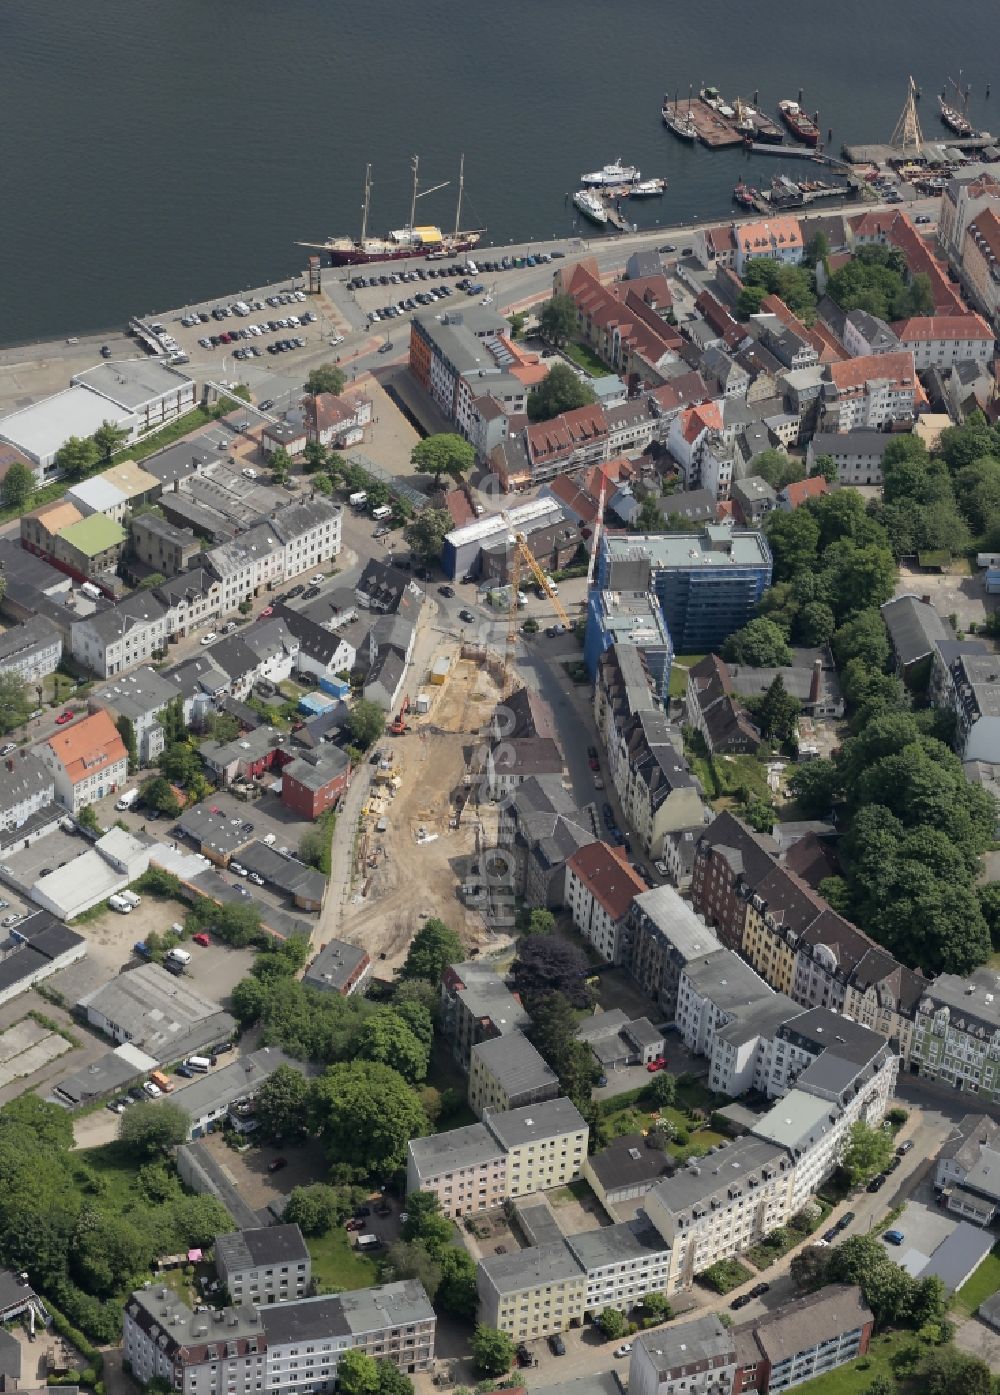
x: 407, y: 880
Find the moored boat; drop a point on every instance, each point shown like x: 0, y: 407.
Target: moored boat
x: 800, y: 123
x: 591, y: 205
x: 647, y: 189
x: 953, y: 119
x: 675, y: 120
x: 615, y: 173
x: 744, y: 195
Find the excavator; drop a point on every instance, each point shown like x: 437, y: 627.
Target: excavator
x: 399, y: 724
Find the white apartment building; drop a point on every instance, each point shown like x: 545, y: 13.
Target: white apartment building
x: 26, y: 785
x: 545, y: 1144
x: 465, y: 1168
x: 688, y: 1358
x: 711, y: 992
x: 86, y: 759
x: 311, y: 533
x: 872, y: 391
x: 283, y: 1348
x: 622, y: 1263
x: 957, y: 1032
x: 532, y: 1293
x: 271, y: 1264
x: 32, y: 650
x: 120, y: 638
x: 600, y: 887
x: 719, y: 1205
x: 938, y: 341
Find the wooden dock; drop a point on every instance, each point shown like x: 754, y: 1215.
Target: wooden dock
x: 713, y: 130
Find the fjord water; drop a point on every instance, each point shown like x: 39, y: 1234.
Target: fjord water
x: 157, y: 152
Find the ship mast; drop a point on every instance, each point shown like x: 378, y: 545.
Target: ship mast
x: 415, y: 164
x: 461, y: 188
x: 368, y: 195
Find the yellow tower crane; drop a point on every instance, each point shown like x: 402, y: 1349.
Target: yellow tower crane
x: 523, y: 557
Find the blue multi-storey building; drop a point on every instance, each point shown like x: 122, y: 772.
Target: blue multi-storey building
x: 633, y: 616
x: 707, y: 584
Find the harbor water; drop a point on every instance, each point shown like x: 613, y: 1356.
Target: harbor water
x: 155, y: 152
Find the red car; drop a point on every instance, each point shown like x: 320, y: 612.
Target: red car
x: 659, y: 1064
x: 268, y: 610
x: 201, y: 939
x: 64, y: 717
x: 594, y: 763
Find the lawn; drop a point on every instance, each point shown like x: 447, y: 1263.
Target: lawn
x: 632, y: 1114
x: 679, y: 673
x: 587, y: 360
x: 724, y: 777
x: 857, y: 1375
x: 724, y: 1276
x: 336, y: 1265
x: 983, y: 1284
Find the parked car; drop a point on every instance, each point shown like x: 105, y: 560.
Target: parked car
x: 201, y: 939
x: 904, y: 1148
x: 877, y: 1183
x: 659, y: 1064
x: 64, y: 717
x: 276, y: 1164
x: 624, y: 1349
x: 830, y: 1235
x: 661, y: 869
x: 759, y: 1290
x: 467, y: 616
x: 893, y: 1237
x: 740, y: 1302
x: 556, y: 1345
x: 446, y: 591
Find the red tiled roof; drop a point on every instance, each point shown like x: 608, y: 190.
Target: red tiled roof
x: 606, y: 874
x: 459, y: 507
x: 856, y: 372
x: 577, y: 500
x: 563, y: 434
x: 705, y: 417
x: 802, y: 490
x: 87, y: 747
x: 926, y: 327
x: 760, y: 237
x: 985, y: 229
x: 620, y: 308
x: 681, y: 392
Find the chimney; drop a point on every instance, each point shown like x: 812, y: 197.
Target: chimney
x: 817, y: 678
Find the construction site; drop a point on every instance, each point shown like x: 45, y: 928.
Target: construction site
x: 423, y: 826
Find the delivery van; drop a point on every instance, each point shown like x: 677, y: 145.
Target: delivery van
x: 199, y: 1063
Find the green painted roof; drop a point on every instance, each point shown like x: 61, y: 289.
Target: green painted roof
x: 94, y: 534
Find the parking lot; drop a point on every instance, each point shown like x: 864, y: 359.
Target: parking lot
x: 951, y: 593
x: 389, y: 294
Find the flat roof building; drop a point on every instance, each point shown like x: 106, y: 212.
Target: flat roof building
x: 270, y: 1264
x: 165, y: 1016
x: 508, y: 1072
x: 40, y: 431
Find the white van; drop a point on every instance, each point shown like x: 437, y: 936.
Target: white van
x: 383, y: 511
x: 119, y: 904
x: 128, y: 800
x: 198, y: 1063
x: 358, y: 500
x: 131, y: 898
x: 179, y: 956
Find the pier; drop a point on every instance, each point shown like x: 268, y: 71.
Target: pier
x: 713, y: 130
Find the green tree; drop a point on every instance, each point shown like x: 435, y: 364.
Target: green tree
x: 108, y: 1252
x: 15, y: 702
x: 366, y: 1114
x: 613, y: 1323
x: 327, y: 378
x: 826, y: 467
x: 492, y: 1351
x: 457, y: 1293
x: 881, y: 1385
x: 868, y: 1152
x: 775, y: 712
x: 989, y: 905
x: 663, y: 1090
x: 650, y: 519
x: 314, y: 1209
x: 76, y: 456
x: 424, y: 1222
x: 815, y: 624
x: 324, y: 484
x: 386, y: 1037
x: 444, y: 454
x: 126, y: 730
x: 366, y: 723
x: 18, y: 487
x: 357, y: 1373
x: 817, y: 248
x: 760, y: 643
x: 561, y: 390
x: 314, y: 846
x: 280, y: 462
x: 426, y: 533
x: 87, y: 818
x: 815, y: 785
x: 108, y: 438
x: 860, y: 576
x: 807, y: 1269
x: 157, y: 794
x: 656, y: 1307
x: 553, y: 1034
x: 794, y: 541
x: 149, y: 1129
x: 180, y: 762
x: 222, y: 727
x: 414, y: 1261
x: 558, y: 319
x: 391, y: 1380
x: 314, y: 456
x: 541, y: 922
x: 749, y: 301
x: 777, y: 468
x: 432, y: 949
x: 282, y: 1103
x: 948, y: 1371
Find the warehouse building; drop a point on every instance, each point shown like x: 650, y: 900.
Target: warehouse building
x: 162, y: 1015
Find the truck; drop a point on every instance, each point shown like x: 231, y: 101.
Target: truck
x: 383, y: 511
x: 358, y: 499
x: 367, y: 1242
x: 128, y: 800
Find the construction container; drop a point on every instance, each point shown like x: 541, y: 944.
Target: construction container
x: 423, y: 702
x: 336, y: 687
x: 440, y: 669
x: 313, y: 704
